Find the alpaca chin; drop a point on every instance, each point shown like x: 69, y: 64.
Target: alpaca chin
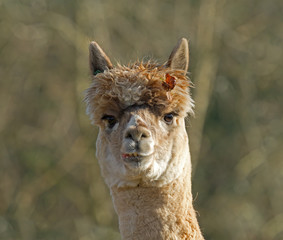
x: 138, y: 164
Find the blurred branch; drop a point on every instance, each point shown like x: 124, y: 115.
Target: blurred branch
x: 206, y: 70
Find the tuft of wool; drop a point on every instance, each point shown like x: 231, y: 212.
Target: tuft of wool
x: 137, y: 84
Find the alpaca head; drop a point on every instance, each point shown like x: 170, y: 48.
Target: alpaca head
x: 140, y: 111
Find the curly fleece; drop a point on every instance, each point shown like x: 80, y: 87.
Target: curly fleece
x: 137, y: 84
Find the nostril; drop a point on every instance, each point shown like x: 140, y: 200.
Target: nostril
x: 129, y: 136
x: 136, y: 134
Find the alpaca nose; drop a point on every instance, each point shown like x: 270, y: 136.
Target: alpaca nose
x: 137, y: 134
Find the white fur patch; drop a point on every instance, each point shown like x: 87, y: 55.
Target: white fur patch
x: 129, y: 96
x: 134, y: 120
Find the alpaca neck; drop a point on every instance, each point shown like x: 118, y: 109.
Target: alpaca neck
x: 157, y: 212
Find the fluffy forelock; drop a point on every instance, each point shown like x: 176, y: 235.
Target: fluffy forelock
x: 137, y: 84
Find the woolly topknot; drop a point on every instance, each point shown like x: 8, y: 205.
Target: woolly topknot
x: 138, y: 84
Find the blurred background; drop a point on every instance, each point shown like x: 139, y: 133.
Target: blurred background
x: 50, y: 183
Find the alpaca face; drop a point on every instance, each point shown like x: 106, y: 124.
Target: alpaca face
x: 135, y: 146
x: 140, y: 111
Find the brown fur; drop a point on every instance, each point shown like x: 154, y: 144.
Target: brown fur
x: 152, y: 192
x: 137, y: 84
x: 157, y: 213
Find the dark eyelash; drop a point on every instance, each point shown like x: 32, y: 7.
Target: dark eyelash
x: 105, y: 117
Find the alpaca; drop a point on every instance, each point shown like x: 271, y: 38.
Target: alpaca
x: 142, y: 145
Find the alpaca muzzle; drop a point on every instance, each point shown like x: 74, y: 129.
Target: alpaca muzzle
x: 137, y: 144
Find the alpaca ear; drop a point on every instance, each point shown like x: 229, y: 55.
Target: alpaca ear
x: 98, y: 60
x: 179, y: 57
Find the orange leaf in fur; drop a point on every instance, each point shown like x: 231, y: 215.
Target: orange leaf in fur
x: 169, y: 82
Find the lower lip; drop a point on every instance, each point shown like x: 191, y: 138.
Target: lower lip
x: 131, y: 158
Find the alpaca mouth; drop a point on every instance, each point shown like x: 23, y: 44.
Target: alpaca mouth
x: 138, y: 159
x: 132, y: 157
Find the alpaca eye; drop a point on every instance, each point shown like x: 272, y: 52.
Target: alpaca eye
x: 111, y: 120
x: 168, y: 118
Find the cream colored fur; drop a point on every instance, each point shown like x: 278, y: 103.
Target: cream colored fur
x: 142, y: 146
